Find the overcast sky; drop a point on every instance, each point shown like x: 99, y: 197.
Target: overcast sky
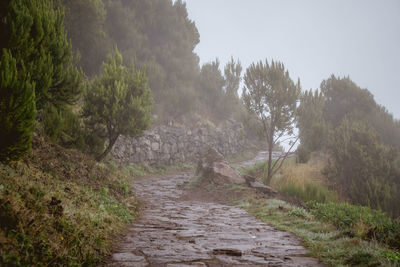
x: 313, y: 38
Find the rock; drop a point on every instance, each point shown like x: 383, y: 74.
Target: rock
x: 223, y: 173
x: 155, y: 146
x: 227, y: 251
x: 249, y: 179
x: 179, y: 143
x: 263, y: 188
x: 252, y: 182
x: 214, y: 167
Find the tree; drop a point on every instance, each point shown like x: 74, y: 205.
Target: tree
x: 38, y: 57
x: 232, y: 76
x: 344, y: 98
x: 211, y: 83
x: 37, y: 39
x: 118, y: 102
x: 17, y: 109
x: 272, y: 96
x: 310, y: 122
x: 233, y: 72
x: 364, y: 169
x: 159, y: 35
x: 84, y: 21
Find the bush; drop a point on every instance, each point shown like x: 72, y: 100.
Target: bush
x: 303, y: 154
x: 17, y: 109
x: 359, y: 221
x: 365, y: 170
x: 63, y: 126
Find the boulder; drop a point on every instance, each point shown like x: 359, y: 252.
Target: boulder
x: 213, y: 166
x: 252, y: 182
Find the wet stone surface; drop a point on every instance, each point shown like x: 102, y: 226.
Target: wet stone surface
x: 177, y: 233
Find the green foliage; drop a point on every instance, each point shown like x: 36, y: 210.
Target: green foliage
x: 303, y: 154
x: 309, y: 192
x: 63, y: 126
x: 39, y: 43
x: 232, y: 104
x: 343, y: 98
x: 118, y: 102
x: 333, y: 246
x: 211, y: 83
x: 84, y: 22
x: 359, y: 221
x: 17, y: 109
x: 392, y: 256
x: 35, y: 39
x: 158, y: 35
x: 271, y: 95
x: 310, y: 122
x: 365, y: 170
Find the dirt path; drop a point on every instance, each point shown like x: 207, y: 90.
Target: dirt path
x: 174, y: 232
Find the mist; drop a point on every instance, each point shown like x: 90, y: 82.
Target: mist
x: 314, y: 39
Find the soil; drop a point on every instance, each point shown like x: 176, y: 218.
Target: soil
x: 196, y: 227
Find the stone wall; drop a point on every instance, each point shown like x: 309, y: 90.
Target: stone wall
x: 169, y: 145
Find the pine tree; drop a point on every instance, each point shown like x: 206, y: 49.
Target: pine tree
x: 118, y: 102
x: 17, y: 109
x: 36, y: 55
x: 38, y: 40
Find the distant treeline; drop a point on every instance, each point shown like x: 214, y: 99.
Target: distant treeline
x: 158, y: 36
x: 361, y: 138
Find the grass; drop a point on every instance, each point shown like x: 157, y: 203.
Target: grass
x: 362, y: 222
x: 331, y: 245
x: 60, y: 208
x: 258, y: 169
x: 339, y: 234
x: 304, y: 181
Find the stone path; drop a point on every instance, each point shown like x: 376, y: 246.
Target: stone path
x: 177, y: 233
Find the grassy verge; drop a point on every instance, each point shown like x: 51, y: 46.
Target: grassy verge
x: 60, y: 208
x: 337, y: 233
x: 332, y: 245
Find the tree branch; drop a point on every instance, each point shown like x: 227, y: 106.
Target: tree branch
x: 282, y: 159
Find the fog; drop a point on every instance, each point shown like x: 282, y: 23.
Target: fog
x: 313, y: 38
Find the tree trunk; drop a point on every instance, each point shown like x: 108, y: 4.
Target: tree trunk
x: 108, y: 149
x: 269, y: 174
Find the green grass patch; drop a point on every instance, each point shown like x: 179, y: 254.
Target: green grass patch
x: 363, y: 222
x: 258, y: 169
x: 309, y: 191
x: 326, y: 242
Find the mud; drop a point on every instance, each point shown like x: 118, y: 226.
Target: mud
x: 174, y: 232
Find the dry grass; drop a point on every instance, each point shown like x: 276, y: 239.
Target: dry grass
x: 300, y: 173
x: 304, y: 181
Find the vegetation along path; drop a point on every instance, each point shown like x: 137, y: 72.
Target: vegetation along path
x: 176, y: 232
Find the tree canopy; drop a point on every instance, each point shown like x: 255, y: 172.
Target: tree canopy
x: 272, y: 96
x: 118, y: 102
x: 36, y: 55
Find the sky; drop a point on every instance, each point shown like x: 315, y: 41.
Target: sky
x: 313, y: 38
